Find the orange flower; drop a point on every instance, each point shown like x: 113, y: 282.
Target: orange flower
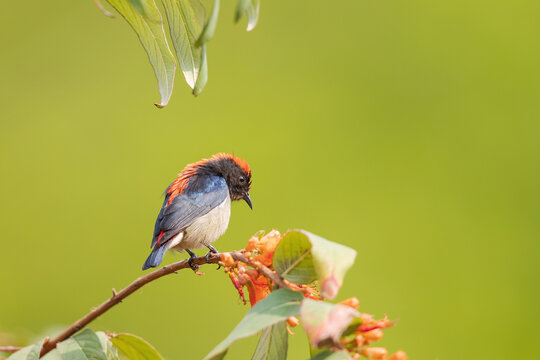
x: 359, y: 339
x: 258, y: 289
x: 308, y: 291
x: 374, y: 335
x: 375, y: 353
x: 267, y: 246
x: 293, y: 321
x: 227, y: 259
x: 351, y: 302
x: 368, y: 323
x: 252, y: 244
x: 237, y: 286
x: 398, y: 355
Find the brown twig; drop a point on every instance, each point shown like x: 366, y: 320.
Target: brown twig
x: 117, y: 297
x: 10, y: 349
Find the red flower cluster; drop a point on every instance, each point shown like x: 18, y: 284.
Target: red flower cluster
x: 259, y: 250
x: 370, y: 330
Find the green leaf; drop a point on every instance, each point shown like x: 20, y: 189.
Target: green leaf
x: 276, y: 307
x: 324, y: 322
x: 293, y: 260
x: 353, y: 326
x: 332, y: 261
x: 135, y: 347
x: 107, y: 346
x: 210, y: 27
x: 329, y: 261
x: 82, y: 346
x: 273, y: 343
x: 186, y: 19
x: 241, y: 7
x: 314, y: 351
x: 252, y: 12
x: 54, y: 355
x: 154, y: 42
x: 332, y: 355
x: 302, y: 257
x: 147, y: 9
x: 203, y: 74
x: 27, y: 353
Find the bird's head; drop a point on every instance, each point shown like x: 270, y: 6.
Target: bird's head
x: 234, y: 170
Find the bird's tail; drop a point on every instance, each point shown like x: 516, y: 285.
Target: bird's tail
x: 156, y: 256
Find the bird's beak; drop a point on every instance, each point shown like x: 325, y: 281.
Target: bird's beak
x: 248, y: 200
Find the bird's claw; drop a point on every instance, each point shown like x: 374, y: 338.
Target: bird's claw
x: 192, y: 265
x: 213, y: 250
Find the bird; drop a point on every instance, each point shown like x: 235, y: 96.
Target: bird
x: 197, y: 206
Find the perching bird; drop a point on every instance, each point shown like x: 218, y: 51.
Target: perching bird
x: 197, y: 206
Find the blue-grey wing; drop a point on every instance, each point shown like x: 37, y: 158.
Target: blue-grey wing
x: 195, y: 201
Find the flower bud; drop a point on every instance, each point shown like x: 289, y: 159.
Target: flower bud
x: 374, y: 335
x: 351, y: 302
x: 292, y: 321
x: 375, y: 352
x: 252, y: 273
x: 270, y: 241
x: 227, y: 259
x: 359, y: 339
x: 252, y: 244
x: 398, y: 355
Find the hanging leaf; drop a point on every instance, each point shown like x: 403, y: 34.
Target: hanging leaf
x: 241, y: 7
x: 325, y: 323
x: 154, y: 42
x: 332, y: 355
x: 135, y: 347
x: 252, y: 12
x: 302, y: 257
x: 273, y: 343
x: 210, y: 27
x: 103, y: 10
x: 147, y: 9
x: 186, y: 19
x: 276, y: 307
x: 203, y: 73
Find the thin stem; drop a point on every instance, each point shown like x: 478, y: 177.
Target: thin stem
x: 10, y: 349
x: 117, y: 297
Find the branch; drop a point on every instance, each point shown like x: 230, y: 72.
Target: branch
x: 10, y: 349
x: 117, y: 297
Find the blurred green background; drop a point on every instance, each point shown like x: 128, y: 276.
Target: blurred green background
x: 408, y: 130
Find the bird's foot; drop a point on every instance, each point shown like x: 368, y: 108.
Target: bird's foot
x: 213, y: 250
x: 191, y: 264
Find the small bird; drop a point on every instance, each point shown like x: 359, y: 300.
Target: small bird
x: 197, y: 206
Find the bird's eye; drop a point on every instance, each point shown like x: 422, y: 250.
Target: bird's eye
x: 242, y: 179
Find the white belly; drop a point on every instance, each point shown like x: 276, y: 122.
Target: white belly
x: 205, y: 230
